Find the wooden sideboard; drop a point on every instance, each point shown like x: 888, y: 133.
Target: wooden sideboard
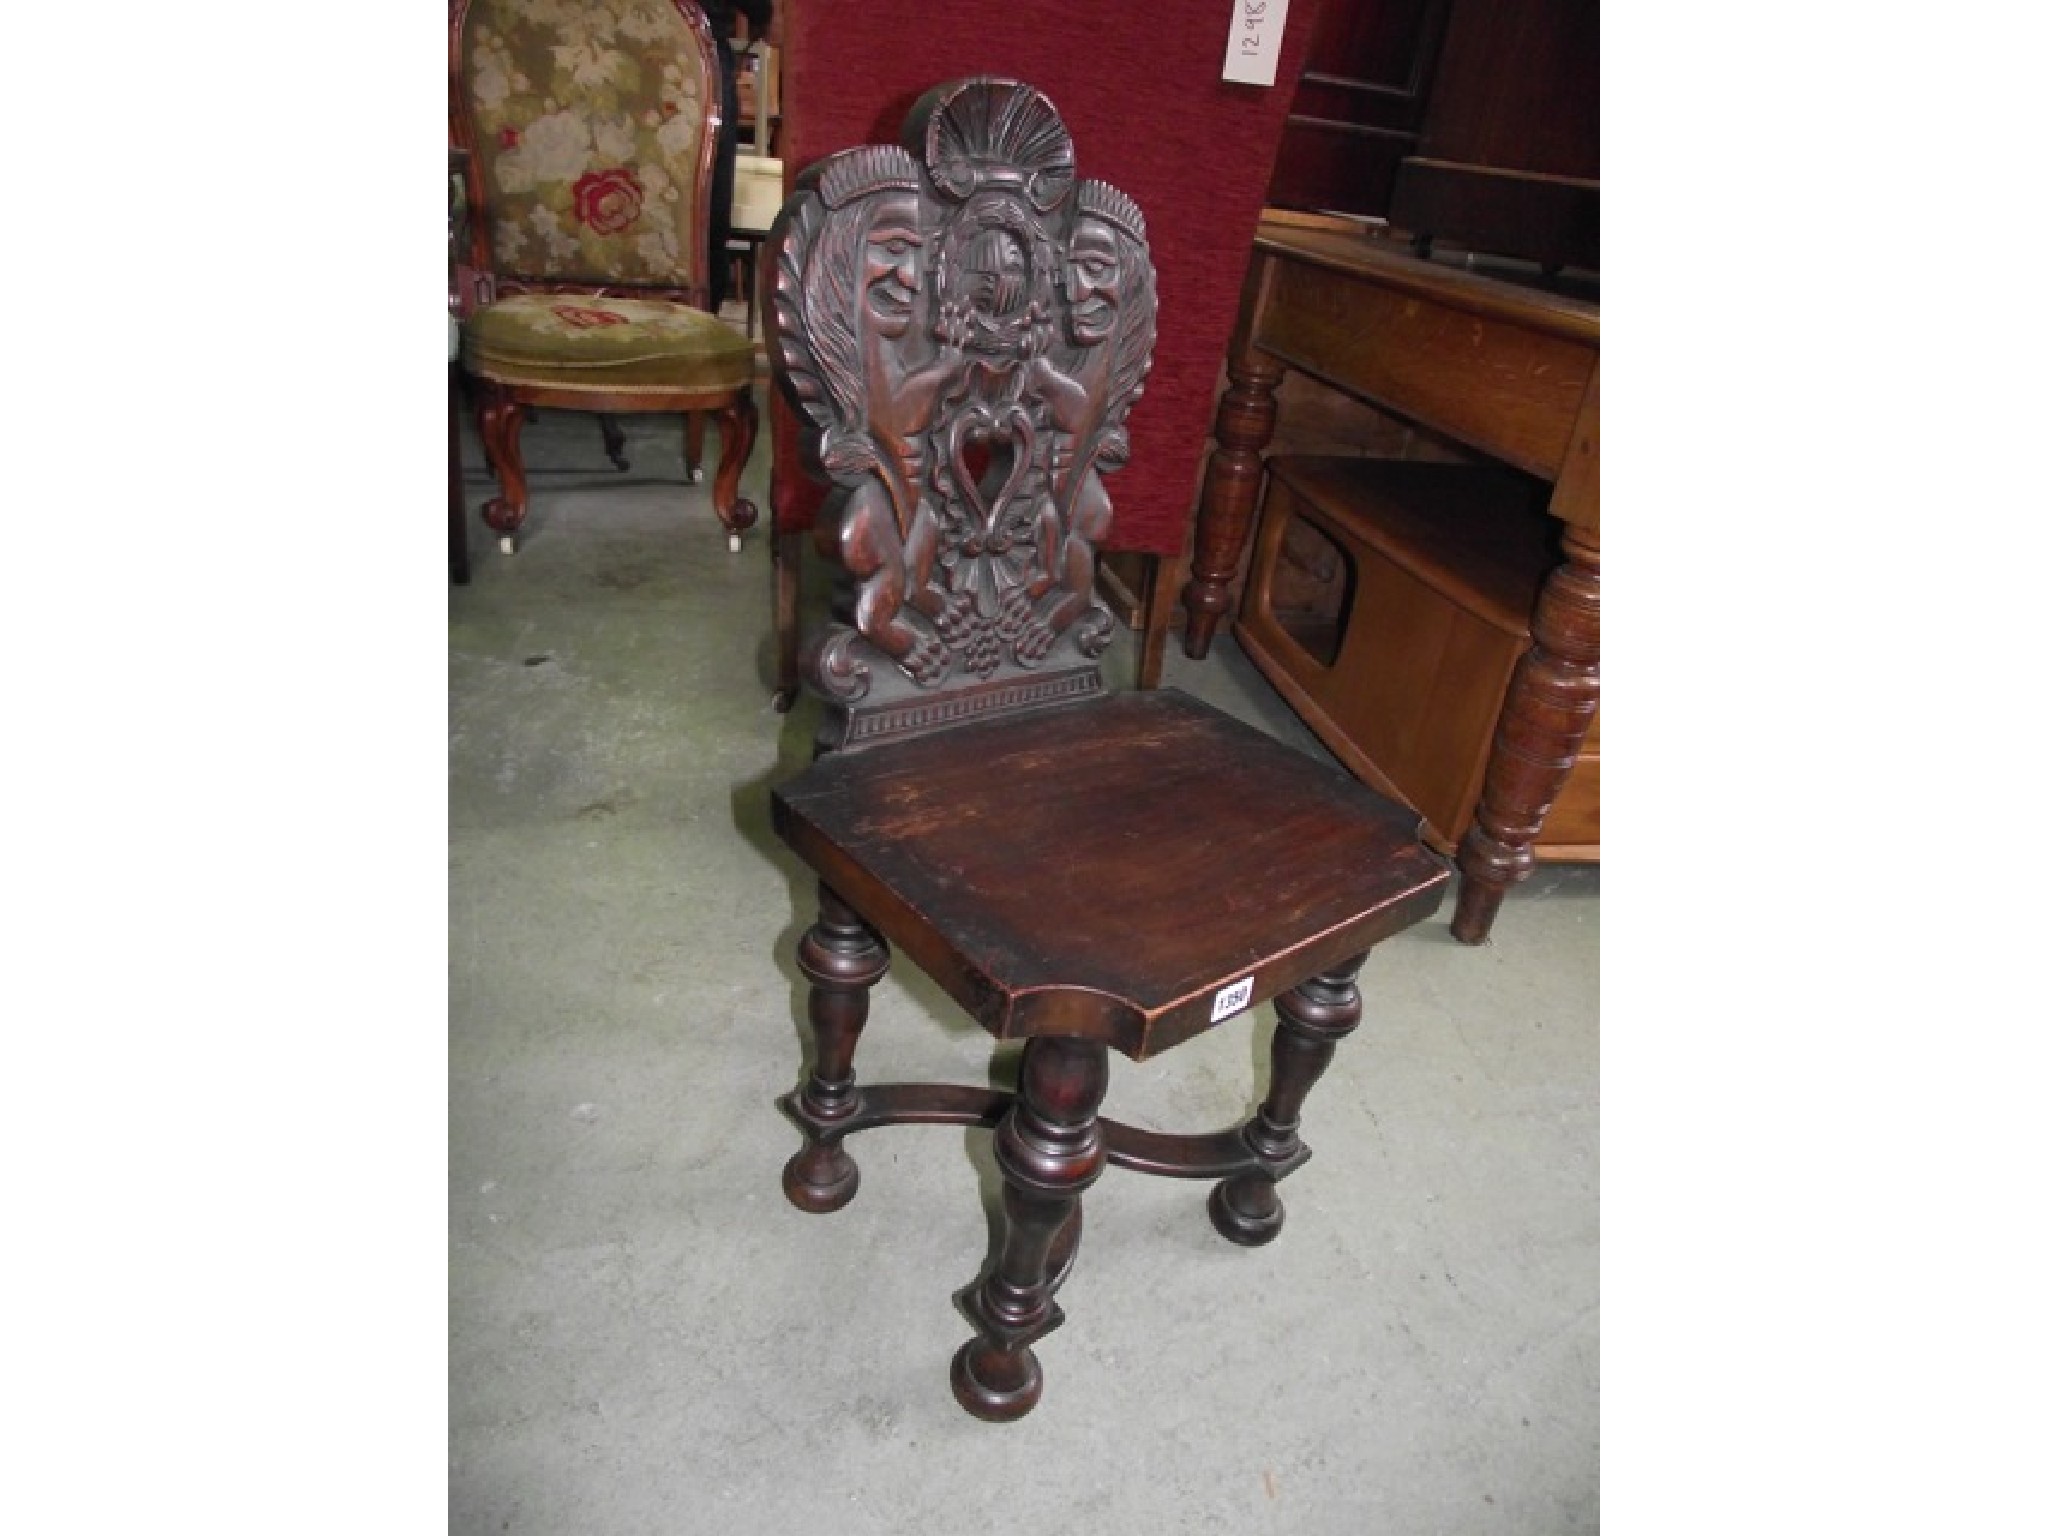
x: 1507, y: 369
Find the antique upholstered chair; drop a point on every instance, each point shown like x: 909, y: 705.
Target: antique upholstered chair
x: 963, y: 326
x: 591, y: 126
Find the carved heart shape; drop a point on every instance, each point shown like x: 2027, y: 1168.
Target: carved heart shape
x: 976, y: 425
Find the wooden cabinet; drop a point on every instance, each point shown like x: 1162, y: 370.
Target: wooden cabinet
x: 1481, y: 579
x: 1388, y: 601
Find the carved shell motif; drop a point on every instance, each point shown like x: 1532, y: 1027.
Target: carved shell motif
x: 963, y: 327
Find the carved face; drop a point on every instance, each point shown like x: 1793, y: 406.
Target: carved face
x: 1092, y: 282
x: 998, y: 273
x: 892, y: 253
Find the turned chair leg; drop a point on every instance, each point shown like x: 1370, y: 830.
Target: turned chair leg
x: 842, y: 958
x: 1050, y: 1148
x: 1313, y: 1017
x: 737, y: 423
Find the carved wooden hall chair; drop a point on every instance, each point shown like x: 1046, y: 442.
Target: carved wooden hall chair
x: 963, y: 326
x: 591, y: 126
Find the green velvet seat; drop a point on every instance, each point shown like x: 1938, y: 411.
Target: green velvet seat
x: 569, y: 341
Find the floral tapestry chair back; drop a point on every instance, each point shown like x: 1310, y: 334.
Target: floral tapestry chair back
x: 592, y: 128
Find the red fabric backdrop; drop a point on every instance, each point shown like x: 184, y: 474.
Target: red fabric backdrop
x: 1140, y: 85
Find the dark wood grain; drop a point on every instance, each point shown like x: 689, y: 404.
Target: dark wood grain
x: 1028, y: 864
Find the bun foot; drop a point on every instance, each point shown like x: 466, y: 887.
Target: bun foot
x: 996, y: 1385
x: 1247, y: 1211
x: 820, y: 1179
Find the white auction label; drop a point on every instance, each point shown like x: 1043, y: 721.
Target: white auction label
x: 1252, y: 56
x: 1231, y: 1000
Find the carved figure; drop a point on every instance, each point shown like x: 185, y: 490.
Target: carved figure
x: 966, y: 337
x: 1111, y: 316
x: 857, y: 255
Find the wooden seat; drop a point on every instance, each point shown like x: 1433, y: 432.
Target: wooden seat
x: 963, y: 326
x: 1269, y: 864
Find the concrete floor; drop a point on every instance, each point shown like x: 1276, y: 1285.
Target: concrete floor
x: 646, y: 1338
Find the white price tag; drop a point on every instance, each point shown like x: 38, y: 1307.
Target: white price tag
x: 1252, y: 55
x: 1231, y: 1000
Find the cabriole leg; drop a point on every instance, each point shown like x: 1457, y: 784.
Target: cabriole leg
x: 737, y: 424
x: 500, y: 419
x: 1314, y: 1016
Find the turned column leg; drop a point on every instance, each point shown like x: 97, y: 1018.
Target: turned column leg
x: 1313, y: 1017
x: 842, y: 958
x: 1049, y: 1148
x: 736, y: 427
x: 1230, y: 492
x: 614, y: 440
x: 1550, y: 705
x: 499, y: 421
